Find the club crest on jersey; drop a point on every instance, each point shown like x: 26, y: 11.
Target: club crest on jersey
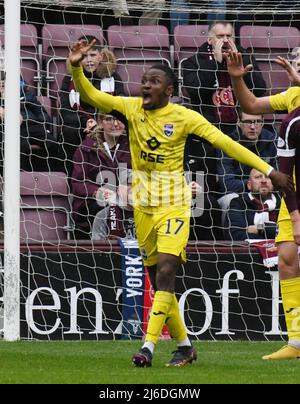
x: 168, y: 129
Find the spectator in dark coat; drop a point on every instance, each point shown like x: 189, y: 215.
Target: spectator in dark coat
x: 253, y: 215
x: 35, y: 126
x: 100, y: 67
x: 95, y: 171
x: 208, y: 83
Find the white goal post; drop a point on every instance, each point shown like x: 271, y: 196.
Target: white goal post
x: 11, y: 173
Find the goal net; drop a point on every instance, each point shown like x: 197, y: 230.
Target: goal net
x: 81, y: 272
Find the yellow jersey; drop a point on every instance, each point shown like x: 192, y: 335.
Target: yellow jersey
x: 287, y: 100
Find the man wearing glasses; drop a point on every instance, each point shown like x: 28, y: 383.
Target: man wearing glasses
x: 232, y: 175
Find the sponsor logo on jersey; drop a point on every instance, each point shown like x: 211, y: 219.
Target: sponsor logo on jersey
x: 153, y: 143
x: 152, y: 157
x: 168, y: 129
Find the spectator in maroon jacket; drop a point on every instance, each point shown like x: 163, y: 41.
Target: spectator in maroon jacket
x: 95, y: 170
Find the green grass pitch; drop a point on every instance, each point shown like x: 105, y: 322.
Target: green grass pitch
x: 109, y: 362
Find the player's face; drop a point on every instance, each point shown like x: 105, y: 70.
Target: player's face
x: 251, y: 126
x: 91, y: 61
x: 259, y: 184
x: 155, y: 89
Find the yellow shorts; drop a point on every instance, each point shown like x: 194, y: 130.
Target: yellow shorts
x: 285, y: 231
x: 166, y: 231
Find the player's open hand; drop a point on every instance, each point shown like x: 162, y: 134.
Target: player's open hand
x: 281, y: 181
x: 291, y: 72
x: 79, y: 50
x: 235, y: 64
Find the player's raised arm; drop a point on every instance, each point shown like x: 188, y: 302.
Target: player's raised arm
x: 281, y: 181
x: 201, y: 127
x: 88, y: 92
x: 248, y: 101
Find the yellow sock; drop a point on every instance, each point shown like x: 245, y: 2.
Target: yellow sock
x: 290, y: 292
x: 160, y: 308
x: 174, y: 322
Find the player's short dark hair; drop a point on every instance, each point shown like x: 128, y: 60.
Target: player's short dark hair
x: 169, y: 73
x: 89, y: 39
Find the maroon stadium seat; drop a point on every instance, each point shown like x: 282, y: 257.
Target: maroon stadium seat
x: 187, y: 38
x: 275, y: 120
x: 139, y: 41
x: 30, y: 59
x: 269, y: 42
x: 56, y: 42
x: 275, y: 76
x: 45, y: 206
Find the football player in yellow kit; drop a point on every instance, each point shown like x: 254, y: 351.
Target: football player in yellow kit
x: 288, y: 238
x: 157, y: 131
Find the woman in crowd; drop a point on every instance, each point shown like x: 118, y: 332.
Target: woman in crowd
x: 95, y: 170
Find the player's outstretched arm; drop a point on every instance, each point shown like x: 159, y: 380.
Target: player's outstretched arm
x: 282, y: 182
x: 248, y: 101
